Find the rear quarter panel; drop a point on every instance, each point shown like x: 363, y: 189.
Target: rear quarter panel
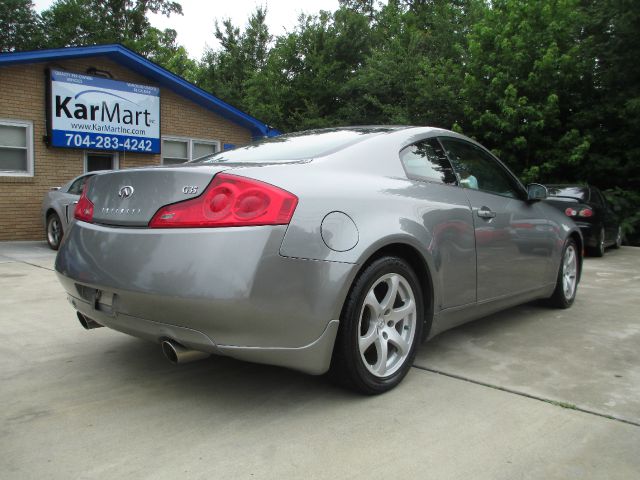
x: 367, y: 182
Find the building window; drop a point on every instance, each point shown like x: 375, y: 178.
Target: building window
x: 179, y: 150
x: 16, y: 148
x: 95, y: 161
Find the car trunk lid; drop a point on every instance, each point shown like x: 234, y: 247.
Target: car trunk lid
x: 132, y: 197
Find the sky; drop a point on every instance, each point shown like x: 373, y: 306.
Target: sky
x: 195, y: 26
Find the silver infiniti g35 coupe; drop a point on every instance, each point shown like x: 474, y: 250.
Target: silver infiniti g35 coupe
x: 333, y: 250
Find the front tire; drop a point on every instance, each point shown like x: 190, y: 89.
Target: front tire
x: 568, y: 274
x: 598, y: 250
x: 380, y: 328
x: 618, y: 243
x: 54, y: 231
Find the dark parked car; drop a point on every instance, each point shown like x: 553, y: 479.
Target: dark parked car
x: 587, y: 206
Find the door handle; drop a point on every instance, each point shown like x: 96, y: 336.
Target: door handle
x: 486, y: 212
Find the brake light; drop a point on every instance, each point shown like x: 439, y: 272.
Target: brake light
x: 84, y: 208
x: 586, y: 212
x: 230, y: 201
x: 571, y: 212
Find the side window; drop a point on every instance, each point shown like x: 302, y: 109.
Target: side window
x: 478, y: 170
x: 426, y: 160
x: 77, y: 186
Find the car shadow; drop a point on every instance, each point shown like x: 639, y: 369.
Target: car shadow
x: 212, y: 384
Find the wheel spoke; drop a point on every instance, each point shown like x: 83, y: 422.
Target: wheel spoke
x: 365, y: 341
x: 392, y: 293
x: 383, y: 354
x: 372, y: 302
x: 397, y: 341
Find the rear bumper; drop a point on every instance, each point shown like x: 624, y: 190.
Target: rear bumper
x: 223, y: 291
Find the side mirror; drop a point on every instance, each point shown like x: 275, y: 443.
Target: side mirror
x: 535, y: 192
x: 54, y: 189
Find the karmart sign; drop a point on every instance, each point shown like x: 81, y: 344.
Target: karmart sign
x: 96, y: 113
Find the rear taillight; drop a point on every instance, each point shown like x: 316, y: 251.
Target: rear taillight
x: 230, y: 201
x: 583, y: 212
x: 84, y: 208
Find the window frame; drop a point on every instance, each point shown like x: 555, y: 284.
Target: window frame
x: 520, y: 189
x: 189, y: 141
x: 420, y: 178
x: 29, y: 147
x: 86, y: 153
x: 203, y: 142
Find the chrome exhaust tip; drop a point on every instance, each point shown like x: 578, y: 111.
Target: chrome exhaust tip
x: 87, y: 323
x: 178, y: 354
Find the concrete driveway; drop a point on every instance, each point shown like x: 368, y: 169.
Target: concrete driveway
x: 528, y: 393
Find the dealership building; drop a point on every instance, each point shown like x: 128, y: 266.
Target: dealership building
x: 64, y: 112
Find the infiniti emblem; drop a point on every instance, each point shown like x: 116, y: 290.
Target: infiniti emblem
x: 126, y: 192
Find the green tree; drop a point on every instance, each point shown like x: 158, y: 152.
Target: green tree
x: 611, y: 107
x: 161, y: 47
x: 241, y: 56
x: 304, y: 81
x: 88, y: 22
x: 522, y: 85
x: 20, y: 26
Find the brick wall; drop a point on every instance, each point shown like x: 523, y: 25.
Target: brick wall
x: 22, y: 97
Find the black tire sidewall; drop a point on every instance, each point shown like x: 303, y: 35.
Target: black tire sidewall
x: 618, y: 243
x: 361, y: 378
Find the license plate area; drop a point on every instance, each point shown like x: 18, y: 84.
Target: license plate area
x: 101, y: 300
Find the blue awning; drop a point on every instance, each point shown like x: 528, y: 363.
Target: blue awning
x: 148, y: 69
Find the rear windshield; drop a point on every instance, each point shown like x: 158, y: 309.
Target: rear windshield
x: 579, y: 193
x: 293, y: 146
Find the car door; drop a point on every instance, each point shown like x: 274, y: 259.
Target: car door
x: 446, y: 214
x: 514, y: 240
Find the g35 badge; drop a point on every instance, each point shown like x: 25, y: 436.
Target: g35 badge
x: 189, y: 189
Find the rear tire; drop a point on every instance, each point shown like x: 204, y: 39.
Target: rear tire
x: 568, y: 274
x: 54, y: 231
x: 380, y: 327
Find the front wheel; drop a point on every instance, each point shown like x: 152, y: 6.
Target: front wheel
x: 598, y: 250
x: 54, y: 231
x: 568, y: 274
x: 618, y: 243
x: 380, y: 328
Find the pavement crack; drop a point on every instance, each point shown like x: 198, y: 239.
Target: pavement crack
x: 557, y: 403
x: 35, y: 265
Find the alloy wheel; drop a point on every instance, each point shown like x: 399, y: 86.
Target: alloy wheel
x: 387, y: 325
x: 569, y: 272
x: 53, y: 231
